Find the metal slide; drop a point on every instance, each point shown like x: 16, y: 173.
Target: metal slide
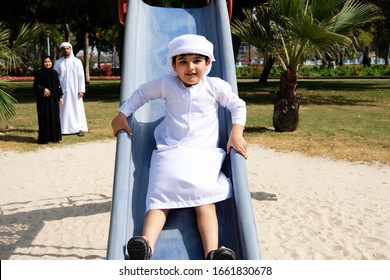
x: 147, y: 33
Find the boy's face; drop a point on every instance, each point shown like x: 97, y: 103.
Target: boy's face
x: 190, y: 68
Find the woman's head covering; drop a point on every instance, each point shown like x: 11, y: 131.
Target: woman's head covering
x: 43, y: 62
x: 190, y: 44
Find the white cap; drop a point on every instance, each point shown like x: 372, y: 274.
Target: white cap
x: 190, y: 44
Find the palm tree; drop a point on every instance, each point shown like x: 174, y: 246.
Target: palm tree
x: 11, y: 56
x: 293, y: 30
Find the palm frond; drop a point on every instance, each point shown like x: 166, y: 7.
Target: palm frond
x: 7, y: 101
x: 255, y: 30
x: 292, y: 30
x: 287, y: 8
x: 324, y: 11
x: 27, y: 33
x: 308, y: 29
x: 13, y: 55
x: 355, y: 13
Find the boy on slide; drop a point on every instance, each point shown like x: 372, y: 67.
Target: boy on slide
x: 185, y: 169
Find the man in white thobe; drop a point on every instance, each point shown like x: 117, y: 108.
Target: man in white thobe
x: 71, y: 75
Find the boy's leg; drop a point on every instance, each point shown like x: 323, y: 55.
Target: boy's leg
x: 208, y: 227
x: 153, y: 224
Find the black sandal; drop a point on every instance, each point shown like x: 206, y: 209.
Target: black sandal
x: 221, y: 254
x: 138, y: 248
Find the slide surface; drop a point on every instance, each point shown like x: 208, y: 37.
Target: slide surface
x: 147, y: 33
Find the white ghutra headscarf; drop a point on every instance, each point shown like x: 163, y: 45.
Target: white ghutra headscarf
x: 190, y: 44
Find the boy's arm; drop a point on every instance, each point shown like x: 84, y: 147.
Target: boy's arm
x: 237, y: 141
x: 120, y: 123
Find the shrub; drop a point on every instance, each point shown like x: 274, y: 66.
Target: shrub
x: 104, y: 70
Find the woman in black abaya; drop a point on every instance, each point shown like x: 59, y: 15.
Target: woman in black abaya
x: 48, y: 94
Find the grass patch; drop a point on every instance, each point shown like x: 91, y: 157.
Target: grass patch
x: 101, y: 103
x: 341, y: 119
x: 338, y: 119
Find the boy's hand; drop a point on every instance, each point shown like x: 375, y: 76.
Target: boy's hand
x: 120, y: 123
x: 237, y: 141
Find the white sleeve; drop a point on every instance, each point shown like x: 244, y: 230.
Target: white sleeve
x: 142, y: 95
x: 227, y: 98
x: 80, y: 76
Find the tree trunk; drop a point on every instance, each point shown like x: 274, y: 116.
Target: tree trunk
x: 236, y: 45
x: 91, y: 53
x: 268, y: 63
x: 366, y: 57
x: 98, y: 58
x: 341, y: 63
x: 286, y: 106
x: 86, y: 59
x: 67, y: 32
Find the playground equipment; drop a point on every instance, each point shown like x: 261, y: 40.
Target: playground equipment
x: 148, y: 30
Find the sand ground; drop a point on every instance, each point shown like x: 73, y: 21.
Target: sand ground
x: 55, y: 204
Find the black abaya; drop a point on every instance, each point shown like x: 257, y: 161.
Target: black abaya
x: 48, y: 107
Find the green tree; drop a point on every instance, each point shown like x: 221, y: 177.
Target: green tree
x: 294, y: 30
x: 382, y: 31
x: 79, y: 20
x: 12, y: 52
